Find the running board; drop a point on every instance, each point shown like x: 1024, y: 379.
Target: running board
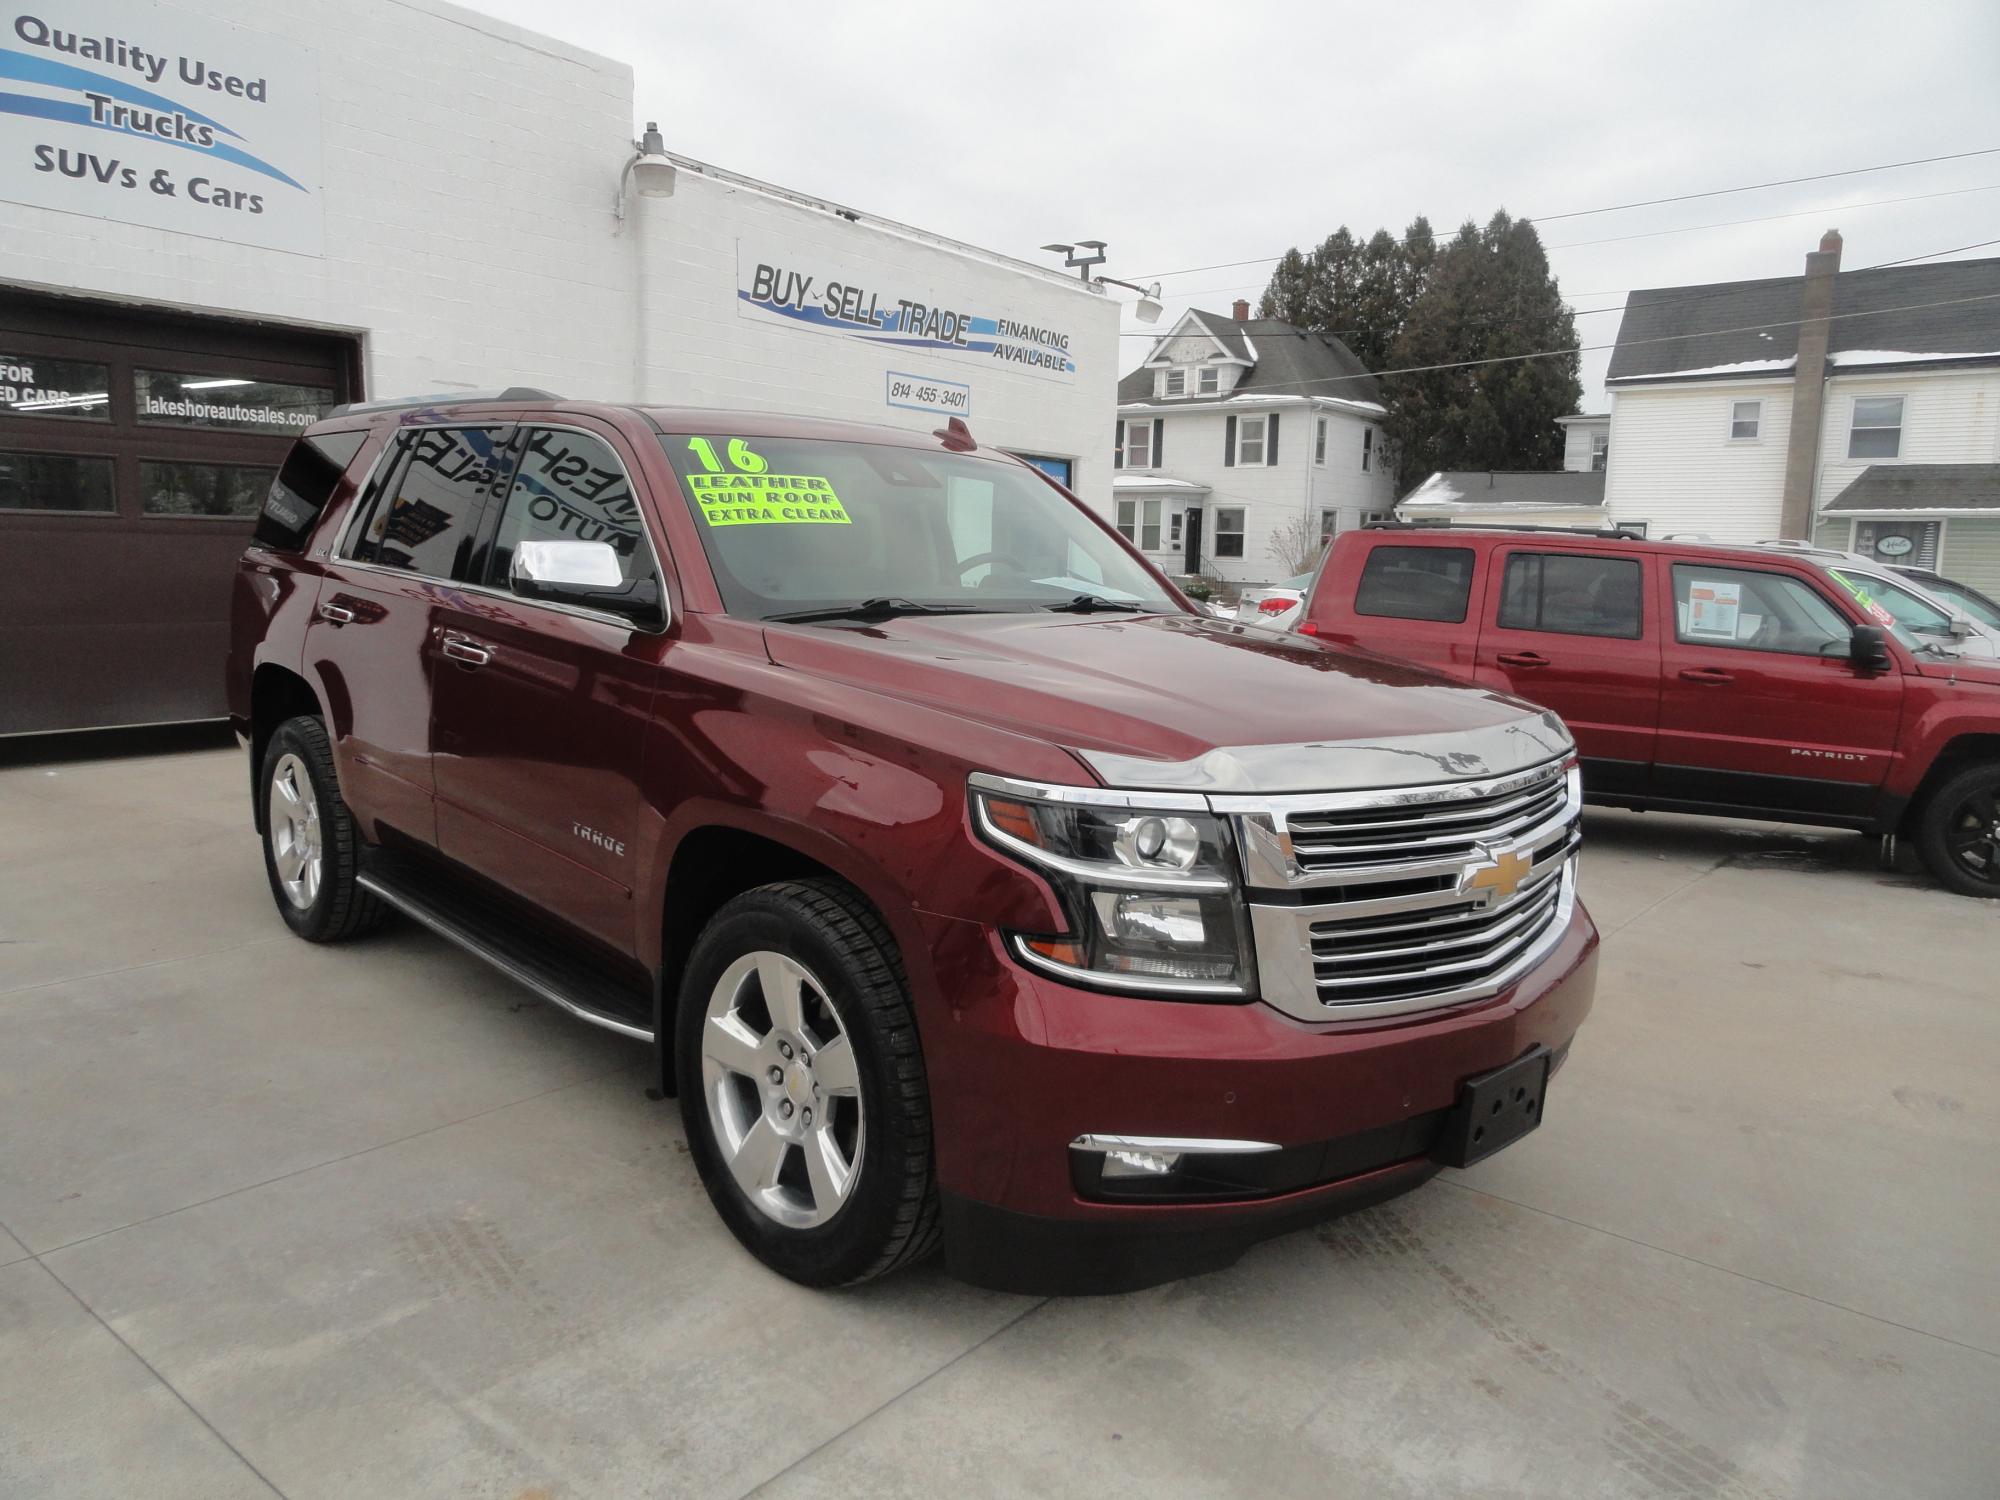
x: 521, y: 959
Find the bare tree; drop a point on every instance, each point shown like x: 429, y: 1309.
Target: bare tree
x: 1297, y: 545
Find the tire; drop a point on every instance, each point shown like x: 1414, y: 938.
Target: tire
x: 850, y: 1196
x: 317, y: 894
x: 1958, y: 833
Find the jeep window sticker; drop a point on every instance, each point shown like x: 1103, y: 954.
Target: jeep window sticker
x: 1714, y: 608
x: 752, y: 496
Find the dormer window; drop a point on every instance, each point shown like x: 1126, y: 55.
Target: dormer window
x: 1177, y: 382
x: 1209, y: 380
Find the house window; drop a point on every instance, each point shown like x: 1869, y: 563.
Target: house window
x: 1128, y: 518
x: 1319, y: 442
x: 1229, y: 531
x: 1249, y: 449
x: 1174, y: 529
x: 1911, y: 544
x: 1878, y: 427
x: 1139, y: 445
x: 1149, y: 526
x: 1177, y: 382
x: 1329, y: 523
x: 1600, y: 451
x: 1209, y: 381
x: 1367, y: 447
x: 1746, y: 421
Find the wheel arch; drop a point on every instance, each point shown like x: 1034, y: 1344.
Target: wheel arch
x: 277, y: 693
x: 1957, y: 753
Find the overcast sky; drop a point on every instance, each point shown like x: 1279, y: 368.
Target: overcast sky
x: 1186, y: 135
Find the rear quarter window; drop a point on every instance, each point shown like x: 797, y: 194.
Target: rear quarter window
x: 1416, y: 583
x: 307, y: 481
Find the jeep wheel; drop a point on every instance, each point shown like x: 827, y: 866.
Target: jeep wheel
x: 802, y: 1085
x: 311, y: 848
x: 1959, y: 832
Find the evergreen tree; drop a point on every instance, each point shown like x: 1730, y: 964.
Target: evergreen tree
x: 1487, y: 295
x: 1285, y: 297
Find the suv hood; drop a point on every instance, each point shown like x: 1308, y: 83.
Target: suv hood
x: 1186, y: 701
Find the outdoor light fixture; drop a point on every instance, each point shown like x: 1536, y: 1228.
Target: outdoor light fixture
x: 1087, y: 253
x: 650, y: 170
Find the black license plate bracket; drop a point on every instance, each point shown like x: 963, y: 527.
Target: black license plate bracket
x: 1494, y: 1110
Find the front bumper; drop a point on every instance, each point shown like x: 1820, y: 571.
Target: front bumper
x: 1021, y: 1065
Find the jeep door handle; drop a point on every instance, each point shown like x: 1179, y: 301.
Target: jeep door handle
x: 1707, y: 676
x: 1522, y: 659
x: 464, y: 649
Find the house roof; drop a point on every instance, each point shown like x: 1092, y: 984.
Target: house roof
x: 1672, y: 331
x: 1484, y: 487
x: 1286, y: 361
x: 1921, y: 487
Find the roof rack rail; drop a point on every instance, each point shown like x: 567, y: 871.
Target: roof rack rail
x: 1624, y: 533
x: 445, y: 398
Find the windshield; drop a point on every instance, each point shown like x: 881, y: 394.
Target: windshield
x: 1974, y: 603
x: 1915, y: 620
x: 794, y: 525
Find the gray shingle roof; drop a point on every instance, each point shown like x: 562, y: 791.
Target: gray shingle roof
x: 1922, y: 487
x: 1290, y: 361
x: 1665, y: 330
x: 1513, y: 487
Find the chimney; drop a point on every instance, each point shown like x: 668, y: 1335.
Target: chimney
x: 1795, y: 518
x: 1241, y: 311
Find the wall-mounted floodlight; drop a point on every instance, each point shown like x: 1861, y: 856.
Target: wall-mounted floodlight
x: 650, y: 170
x: 1149, y: 306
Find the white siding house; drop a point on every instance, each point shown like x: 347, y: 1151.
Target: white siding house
x: 1238, y: 437
x: 1586, y: 441
x: 1901, y: 374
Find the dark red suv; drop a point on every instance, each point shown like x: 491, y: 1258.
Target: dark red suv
x: 1754, y: 682
x: 971, y: 886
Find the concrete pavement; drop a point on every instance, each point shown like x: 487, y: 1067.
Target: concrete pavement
x: 325, y: 1222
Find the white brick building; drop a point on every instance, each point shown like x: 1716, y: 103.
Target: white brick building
x: 400, y: 196
x: 1237, y: 436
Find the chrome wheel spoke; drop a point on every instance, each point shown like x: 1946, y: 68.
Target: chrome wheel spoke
x: 727, y: 1042
x: 290, y: 861
x: 833, y: 1067
x: 759, y: 1158
x: 782, y: 982
x: 828, y: 1169
x: 292, y: 816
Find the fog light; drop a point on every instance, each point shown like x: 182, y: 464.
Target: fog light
x: 1127, y: 1162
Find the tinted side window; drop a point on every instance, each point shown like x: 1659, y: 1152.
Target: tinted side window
x: 307, y: 481
x: 1570, y: 593
x: 1416, y: 583
x: 426, y: 517
x: 570, y: 486
x: 1750, y: 611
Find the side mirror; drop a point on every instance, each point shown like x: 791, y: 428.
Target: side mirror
x: 585, y: 574
x: 1869, y: 649
x: 1961, y: 626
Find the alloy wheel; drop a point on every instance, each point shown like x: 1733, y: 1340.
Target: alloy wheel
x: 1972, y: 834
x: 783, y: 1094
x: 293, y: 819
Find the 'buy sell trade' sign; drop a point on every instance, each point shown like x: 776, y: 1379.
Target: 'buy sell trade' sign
x: 124, y: 110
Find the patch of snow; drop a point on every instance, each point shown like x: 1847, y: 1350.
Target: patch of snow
x: 1902, y: 356
x: 1433, y: 491
x: 1742, y: 367
x: 1152, y: 482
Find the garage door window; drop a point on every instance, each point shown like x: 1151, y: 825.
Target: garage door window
x: 1416, y: 583
x: 33, y: 385
x: 227, y: 403
x: 230, y: 491
x: 56, y: 482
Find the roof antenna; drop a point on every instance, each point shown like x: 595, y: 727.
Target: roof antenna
x: 957, y: 436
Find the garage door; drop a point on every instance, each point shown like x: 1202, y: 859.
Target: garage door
x: 135, y: 449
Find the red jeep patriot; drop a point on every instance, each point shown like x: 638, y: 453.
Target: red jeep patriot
x: 971, y: 886
x: 1748, y: 681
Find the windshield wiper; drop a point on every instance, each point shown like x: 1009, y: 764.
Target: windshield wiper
x: 1087, y: 604
x: 883, y: 607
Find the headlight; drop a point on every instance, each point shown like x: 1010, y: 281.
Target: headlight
x: 1148, y: 883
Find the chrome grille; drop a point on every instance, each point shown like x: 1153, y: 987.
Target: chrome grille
x: 1417, y: 897
x: 1363, y: 837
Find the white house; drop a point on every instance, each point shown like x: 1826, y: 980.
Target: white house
x: 1859, y: 408
x: 1586, y: 441
x: 1242, y: 443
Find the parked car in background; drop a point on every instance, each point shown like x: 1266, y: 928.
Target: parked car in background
x: 1961, y: 596
x: 971, y: 887
x: 1886, y: 591
x: 1276, y: 607
x: 1745, y: 681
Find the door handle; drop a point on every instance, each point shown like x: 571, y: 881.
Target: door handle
x: 336, y: 614
x: 1707, y: 676
x: 1522, y: 659
x: 464, y: 649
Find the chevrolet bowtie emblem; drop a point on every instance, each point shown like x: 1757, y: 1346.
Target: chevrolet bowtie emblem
x: 1499, y: 879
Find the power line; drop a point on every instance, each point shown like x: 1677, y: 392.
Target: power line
x: 1581, y: 213
x: 1906, y: 260
x: 1503, y: 359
